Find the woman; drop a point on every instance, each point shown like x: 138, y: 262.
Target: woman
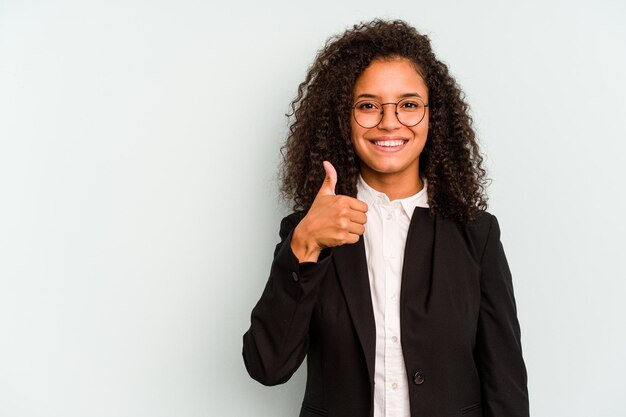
x: 390, y: 275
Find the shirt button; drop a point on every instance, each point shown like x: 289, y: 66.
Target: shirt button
x: 394, y: 385
x: 388, y: 216
x: 418, y: 378
x: 295, y: 277
x: 394, y: 339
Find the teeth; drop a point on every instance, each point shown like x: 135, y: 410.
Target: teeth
x: 389, y: 142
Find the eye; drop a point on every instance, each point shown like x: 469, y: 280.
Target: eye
x: 367, y: 106
x: 410, y: 105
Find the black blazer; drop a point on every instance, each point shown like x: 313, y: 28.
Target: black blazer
x: 459, y: 329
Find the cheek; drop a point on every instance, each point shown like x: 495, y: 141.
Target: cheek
x: 356, y: 135
x: 421, y: 130
x: 357, y: 146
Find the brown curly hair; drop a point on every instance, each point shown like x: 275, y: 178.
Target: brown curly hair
x: 320, y: 122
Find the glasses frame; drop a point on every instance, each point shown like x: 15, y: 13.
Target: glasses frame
x: 382, y: 112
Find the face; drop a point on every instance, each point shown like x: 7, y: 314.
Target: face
x: 389, y: 81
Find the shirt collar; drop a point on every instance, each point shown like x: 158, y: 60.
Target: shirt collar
x: 371, y: 196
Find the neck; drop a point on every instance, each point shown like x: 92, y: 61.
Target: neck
x: 395, y: 185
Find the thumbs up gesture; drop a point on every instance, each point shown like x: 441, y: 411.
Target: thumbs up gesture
x: 332, y: 220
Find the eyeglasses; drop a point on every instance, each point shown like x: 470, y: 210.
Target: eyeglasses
x: 409, y: 111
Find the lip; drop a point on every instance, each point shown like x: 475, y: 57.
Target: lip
x: 388, y: 149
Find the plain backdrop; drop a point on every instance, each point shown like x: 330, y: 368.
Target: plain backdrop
x: 139, y: 151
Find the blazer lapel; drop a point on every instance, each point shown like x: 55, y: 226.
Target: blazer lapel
x: 417, y: 269
x: 351, y: 266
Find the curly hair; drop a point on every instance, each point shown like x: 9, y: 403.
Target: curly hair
x: 320, y: 122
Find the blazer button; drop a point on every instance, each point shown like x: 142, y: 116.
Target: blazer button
x: 418, y: 378
x: 295, y: 277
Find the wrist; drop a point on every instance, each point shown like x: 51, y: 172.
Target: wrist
x: 305, y: 248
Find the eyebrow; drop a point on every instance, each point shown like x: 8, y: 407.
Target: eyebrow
x: 368, y: 95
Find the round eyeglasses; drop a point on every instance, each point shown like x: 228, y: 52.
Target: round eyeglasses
x: 409, y: 111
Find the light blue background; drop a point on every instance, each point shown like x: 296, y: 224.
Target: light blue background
x: 138, y: 196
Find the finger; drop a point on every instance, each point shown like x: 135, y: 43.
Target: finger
x: 352, y: 238
x: 330, y: 181
x: 356, y: 228
x: 357, y: 217
x: 358, y: 205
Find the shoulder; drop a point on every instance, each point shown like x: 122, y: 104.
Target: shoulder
x: 481, y: 223
x: 479, y: 231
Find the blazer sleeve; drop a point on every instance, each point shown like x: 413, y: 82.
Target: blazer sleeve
x: 498, y: 341
x: 276, y: 342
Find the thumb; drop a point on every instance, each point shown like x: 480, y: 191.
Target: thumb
x: 330, y: 181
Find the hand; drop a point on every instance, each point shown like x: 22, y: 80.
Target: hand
x: 332, y: 220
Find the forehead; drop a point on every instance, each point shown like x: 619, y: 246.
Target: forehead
x: 390, y: 79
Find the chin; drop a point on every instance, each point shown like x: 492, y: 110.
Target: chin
x: 386, y: 168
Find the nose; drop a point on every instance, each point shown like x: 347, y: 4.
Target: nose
x: 389, y: 121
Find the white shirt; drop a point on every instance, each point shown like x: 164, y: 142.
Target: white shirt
x: 385, y: 238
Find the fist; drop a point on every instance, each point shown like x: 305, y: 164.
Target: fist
x: 332, y: 220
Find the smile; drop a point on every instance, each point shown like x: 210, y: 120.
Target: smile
x: 389, y: 145
x: 390, y: 142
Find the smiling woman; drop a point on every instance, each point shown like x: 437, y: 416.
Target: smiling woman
x: 390, y: 276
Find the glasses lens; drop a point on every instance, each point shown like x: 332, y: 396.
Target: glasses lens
x: 411, y: 111
x: 367, y: 113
